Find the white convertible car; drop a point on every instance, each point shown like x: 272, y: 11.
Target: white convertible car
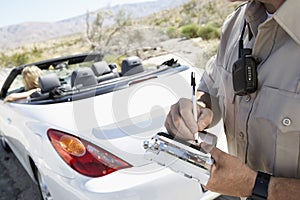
x: 82, y: 136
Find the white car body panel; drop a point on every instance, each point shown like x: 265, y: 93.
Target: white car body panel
x: 118, y: 122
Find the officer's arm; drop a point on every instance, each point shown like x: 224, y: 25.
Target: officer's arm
x: 284, y: 188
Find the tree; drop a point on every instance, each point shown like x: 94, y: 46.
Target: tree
x: 99, y: 34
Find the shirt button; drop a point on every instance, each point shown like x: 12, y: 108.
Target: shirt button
x: 247, y: 98
x: 286, y: 121
x: 241, y: 135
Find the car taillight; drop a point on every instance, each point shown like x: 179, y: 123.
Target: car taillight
x: 84, y: 157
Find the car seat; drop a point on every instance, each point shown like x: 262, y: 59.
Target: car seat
x: 132, y: 65
x: 82, y: 78
x: 103, y: 71
x: 47, y: 84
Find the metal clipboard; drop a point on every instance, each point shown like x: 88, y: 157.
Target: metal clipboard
x: 180, y: 156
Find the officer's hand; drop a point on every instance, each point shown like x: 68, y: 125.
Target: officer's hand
x: 229, y: 175
x: 180, y: 120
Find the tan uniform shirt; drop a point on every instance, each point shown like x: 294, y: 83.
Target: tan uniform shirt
x: 263, y: 129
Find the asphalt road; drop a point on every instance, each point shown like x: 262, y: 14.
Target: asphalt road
x: 15, y: 184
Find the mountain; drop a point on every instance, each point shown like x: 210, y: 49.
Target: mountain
x: 31, y: 32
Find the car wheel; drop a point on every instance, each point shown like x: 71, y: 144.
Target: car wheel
x: 5, y: 145
x: 45, y: 193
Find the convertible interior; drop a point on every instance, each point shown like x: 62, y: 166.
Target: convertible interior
x: 81, y: 76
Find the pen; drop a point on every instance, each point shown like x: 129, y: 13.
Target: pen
x: 193, y: 84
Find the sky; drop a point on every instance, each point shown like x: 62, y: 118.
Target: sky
x: 19, y: 11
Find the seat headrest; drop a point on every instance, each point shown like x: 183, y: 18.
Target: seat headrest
x: 83, y: 77
x: 132, y: 65
x: 48, y: 82
x: 101, y: 68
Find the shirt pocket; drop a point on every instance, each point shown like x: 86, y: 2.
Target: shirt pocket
x: 281, y: 111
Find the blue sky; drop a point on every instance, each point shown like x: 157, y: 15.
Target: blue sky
x: 19, y: 11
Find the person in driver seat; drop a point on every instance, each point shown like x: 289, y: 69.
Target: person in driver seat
x: 30, y: 76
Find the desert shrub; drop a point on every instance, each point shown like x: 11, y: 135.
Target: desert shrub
x: 36, y: 53
x: 3, y: 60
x: 190, y: 30
x: 14, y: 59
x: 208, y: 32
x: 173, y: 32
x: 20, y: 58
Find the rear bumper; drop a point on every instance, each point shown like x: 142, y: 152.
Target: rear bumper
x: 131, y: 184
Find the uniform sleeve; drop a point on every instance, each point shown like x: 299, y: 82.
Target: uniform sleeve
x: 206, y: 85
x: 207, y: 81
